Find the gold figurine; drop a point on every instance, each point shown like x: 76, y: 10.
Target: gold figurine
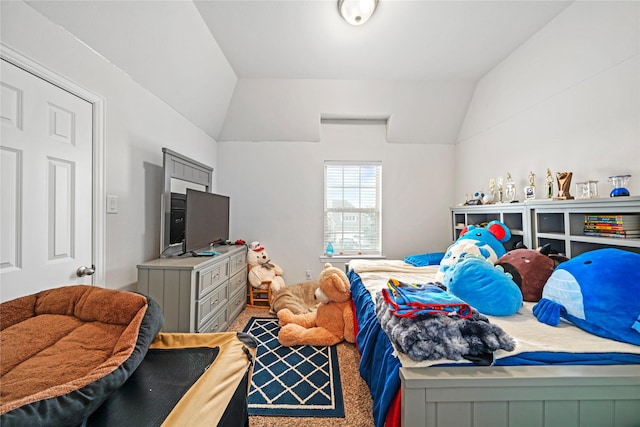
x: 549, y: 184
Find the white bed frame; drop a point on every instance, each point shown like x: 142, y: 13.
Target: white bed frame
x: 520, y: 396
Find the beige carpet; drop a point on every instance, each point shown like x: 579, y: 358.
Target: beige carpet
x: 357, y: 400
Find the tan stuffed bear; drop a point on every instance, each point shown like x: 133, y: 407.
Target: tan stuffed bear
x: 331, y: 323
x: 262, y: 269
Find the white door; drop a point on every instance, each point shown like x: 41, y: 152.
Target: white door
x: 45, y: 185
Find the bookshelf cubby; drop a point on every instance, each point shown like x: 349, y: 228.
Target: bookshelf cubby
x: 513, y: 215
x: 561, y: 224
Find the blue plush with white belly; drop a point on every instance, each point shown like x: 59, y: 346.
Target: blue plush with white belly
x: 598, y: 291
x: 486, y: 242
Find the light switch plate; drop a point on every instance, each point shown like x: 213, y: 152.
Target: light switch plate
x: 112, y: 204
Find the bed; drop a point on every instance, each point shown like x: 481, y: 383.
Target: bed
x: 84, y: 355
x: 540, y: 383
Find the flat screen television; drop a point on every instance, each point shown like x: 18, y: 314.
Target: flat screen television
x: 176, y: 227
x: 206, y: 220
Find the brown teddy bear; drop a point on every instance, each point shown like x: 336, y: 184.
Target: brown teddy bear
x: 331, y: 323
x: 262, y: 270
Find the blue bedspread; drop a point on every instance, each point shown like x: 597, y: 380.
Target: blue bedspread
x: 378, y: 367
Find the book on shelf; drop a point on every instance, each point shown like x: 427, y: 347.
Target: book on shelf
x: 624, y: 219
x: 597, y: 227
x: 634, y: 234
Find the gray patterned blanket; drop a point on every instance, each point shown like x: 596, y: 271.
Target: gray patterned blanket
x: 438, y: 336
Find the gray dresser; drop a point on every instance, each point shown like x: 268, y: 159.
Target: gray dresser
x: 197, y: 294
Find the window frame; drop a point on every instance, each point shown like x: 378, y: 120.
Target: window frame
x: 357, y: 247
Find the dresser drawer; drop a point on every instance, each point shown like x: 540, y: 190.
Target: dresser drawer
x: 217, y: 324
x: 238, y: 262
x: 210, y: 304
x: 238, y: 281
x: 211, y: 277
x: 237, y: 302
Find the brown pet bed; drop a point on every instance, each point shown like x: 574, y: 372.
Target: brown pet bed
x: 65, y: 350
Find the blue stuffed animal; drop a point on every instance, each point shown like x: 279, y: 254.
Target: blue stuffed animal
x: 597, y: 291
x: 486, y: 242
x: 485, y: 287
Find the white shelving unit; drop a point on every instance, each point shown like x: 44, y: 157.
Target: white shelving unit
x: 561, y: 224
x: 557, y: 222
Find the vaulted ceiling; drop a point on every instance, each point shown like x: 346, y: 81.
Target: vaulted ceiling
x: 205, y: 58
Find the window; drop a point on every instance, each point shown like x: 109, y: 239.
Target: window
x: 352, y: 207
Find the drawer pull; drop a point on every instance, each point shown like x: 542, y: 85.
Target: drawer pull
x: 214, y: 302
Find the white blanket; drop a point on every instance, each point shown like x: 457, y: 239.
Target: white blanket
x: 529, y: 334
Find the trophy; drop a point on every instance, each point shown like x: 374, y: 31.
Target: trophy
x: 530, y: 190
x: 549, y: 184
x: 490, y: 197
x: 564, y: 185
x: 619, y: 184
x: 510, y: 191
x: 499, y: 182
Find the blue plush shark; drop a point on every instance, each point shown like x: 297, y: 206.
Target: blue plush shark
x: 598, y: 291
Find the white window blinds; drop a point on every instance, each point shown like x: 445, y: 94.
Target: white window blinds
x: 352, y: 207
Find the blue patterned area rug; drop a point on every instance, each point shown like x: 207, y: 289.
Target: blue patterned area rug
x: 300, y: 381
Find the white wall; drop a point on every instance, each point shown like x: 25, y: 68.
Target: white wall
x: 164, y: 45
x: 138, y: 125
x: 420, y: 112
x: 568, y: 99
x: 276, y: 191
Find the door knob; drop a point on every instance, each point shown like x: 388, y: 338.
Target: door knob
x: 85, y: 271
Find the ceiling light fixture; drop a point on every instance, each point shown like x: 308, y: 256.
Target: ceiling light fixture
x: 357, y: 12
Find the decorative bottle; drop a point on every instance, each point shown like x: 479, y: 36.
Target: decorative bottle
x: 329, y: 250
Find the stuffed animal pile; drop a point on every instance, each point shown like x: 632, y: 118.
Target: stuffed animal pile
x: 468, y: 271
x: 331, y: 323
x: 262, y: 270
x: 479, y: 241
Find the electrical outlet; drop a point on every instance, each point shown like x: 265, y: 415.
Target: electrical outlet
x: 308, y: 272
